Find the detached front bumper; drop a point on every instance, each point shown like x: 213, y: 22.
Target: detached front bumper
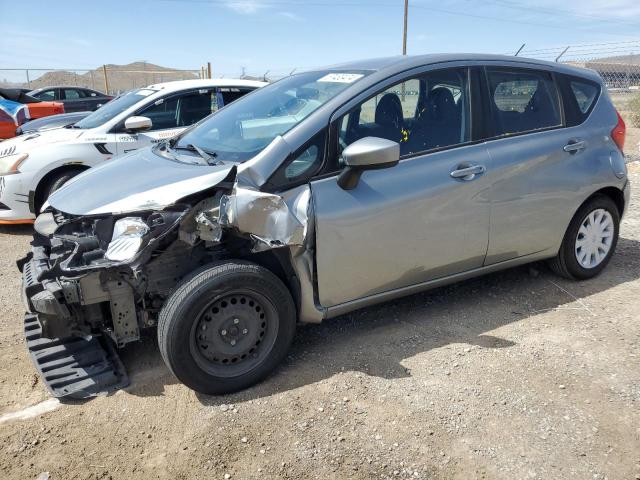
x: 72, y: 366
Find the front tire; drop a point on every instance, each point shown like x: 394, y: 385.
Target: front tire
x: 590, y: 240
x: 226, y: 327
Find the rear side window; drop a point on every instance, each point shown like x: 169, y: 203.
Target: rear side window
x: 579, y: 96
x: 232, y: 94
x: 523, y: 101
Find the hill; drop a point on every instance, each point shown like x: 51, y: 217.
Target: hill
x: 120, y: 77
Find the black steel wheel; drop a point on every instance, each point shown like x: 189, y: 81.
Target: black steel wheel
x: 226, y: 327
x: 234, y: 333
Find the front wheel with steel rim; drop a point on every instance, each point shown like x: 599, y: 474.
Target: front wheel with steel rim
x: 590, y: 240
x: 226, y: 327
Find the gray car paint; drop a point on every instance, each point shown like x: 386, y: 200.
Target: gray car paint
x: 409, y: 227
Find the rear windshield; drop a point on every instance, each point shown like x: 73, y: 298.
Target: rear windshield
x: 114, y: 107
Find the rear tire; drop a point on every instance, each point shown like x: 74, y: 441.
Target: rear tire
x: 590, y: 240
x: 226, y: 327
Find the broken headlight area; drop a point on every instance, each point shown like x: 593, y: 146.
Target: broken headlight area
x: 87, y: 243
x: 90, y: 275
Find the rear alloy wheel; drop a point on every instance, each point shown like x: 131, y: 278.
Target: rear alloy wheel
x: 590, y: 240
x: 226, y: 327
x: 594, y: 239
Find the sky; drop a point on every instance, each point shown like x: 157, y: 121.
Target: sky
x: 282, y: 35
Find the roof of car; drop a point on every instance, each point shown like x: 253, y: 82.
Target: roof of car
x: 213, y: 82
x: 405, y: 62
x: 63, y: 86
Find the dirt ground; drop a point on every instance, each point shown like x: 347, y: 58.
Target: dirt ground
x: 517, y: 375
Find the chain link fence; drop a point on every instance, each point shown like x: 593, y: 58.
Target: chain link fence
x: 618, y: 63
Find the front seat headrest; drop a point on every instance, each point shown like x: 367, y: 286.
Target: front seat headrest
x: 389, y: 111
x: 441, y: 105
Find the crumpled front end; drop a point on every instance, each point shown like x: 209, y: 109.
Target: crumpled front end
x: 108, y: 276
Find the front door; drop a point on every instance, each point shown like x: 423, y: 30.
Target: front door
x: 425, y: 218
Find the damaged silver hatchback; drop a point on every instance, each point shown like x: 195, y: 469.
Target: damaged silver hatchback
x: 319, y: 194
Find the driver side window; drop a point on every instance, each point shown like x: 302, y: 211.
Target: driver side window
x: 427, y: 112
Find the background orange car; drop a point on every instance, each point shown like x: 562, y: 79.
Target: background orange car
x: 16, y: 108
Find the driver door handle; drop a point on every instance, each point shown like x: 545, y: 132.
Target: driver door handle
x: 468, y: 173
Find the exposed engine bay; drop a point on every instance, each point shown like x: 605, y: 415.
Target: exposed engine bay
x: 111, y: 274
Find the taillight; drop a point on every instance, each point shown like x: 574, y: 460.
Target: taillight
x: 619, y: 132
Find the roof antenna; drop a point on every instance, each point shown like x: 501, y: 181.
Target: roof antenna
x: 563, y: 52
x: 520, y: 49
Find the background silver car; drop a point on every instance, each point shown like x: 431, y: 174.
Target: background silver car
x: 325, y: 192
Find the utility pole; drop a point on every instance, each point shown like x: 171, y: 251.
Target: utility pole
x: 404, y: 33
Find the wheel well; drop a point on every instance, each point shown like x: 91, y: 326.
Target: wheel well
x: 278, y: 262
x: 44, y: 181
x: 614, y: 194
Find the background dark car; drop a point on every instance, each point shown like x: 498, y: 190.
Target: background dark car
x: 75, y: 99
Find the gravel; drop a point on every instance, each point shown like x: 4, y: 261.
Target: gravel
x: 518, y: 374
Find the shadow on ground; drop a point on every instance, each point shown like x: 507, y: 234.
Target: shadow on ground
x: 17, y: 230
x: 376, y: 340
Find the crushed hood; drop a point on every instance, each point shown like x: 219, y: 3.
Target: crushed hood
x: 140, y: 180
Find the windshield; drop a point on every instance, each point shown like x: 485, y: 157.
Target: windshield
x: 241, y: 130
x: 114, y: 107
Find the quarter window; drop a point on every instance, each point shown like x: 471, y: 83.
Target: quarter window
x: 585, y: 94
x: 422, y: 113
x: 523, y: 101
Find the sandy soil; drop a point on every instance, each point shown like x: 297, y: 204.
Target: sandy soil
x: 517, y: 375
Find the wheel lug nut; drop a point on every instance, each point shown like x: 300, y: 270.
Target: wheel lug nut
x: 245, y: 331
x: 204, y: 327
x: 233, y: 342
x: 236, y: 321
x: 223, y: 332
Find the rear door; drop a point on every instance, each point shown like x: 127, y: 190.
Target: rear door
x: 74, y: 100
x: 414, y: 222
x: 535, y: 163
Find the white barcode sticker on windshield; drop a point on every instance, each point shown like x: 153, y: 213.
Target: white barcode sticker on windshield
x: 341, y: 77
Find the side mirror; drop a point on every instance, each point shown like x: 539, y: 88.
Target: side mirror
x: 137, y: 124
x: 369, y: 153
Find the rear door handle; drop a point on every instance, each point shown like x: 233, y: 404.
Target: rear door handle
x: 574, y: 146
x: 468, y: 172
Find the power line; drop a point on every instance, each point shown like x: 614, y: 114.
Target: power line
x: 225, y: 3
x: 527, y: 8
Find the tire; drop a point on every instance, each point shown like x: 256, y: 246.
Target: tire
x: 226, y: 327
x: 54, y: 183
x: 566, y: 263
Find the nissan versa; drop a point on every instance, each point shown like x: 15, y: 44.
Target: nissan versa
x: 319, y: 194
